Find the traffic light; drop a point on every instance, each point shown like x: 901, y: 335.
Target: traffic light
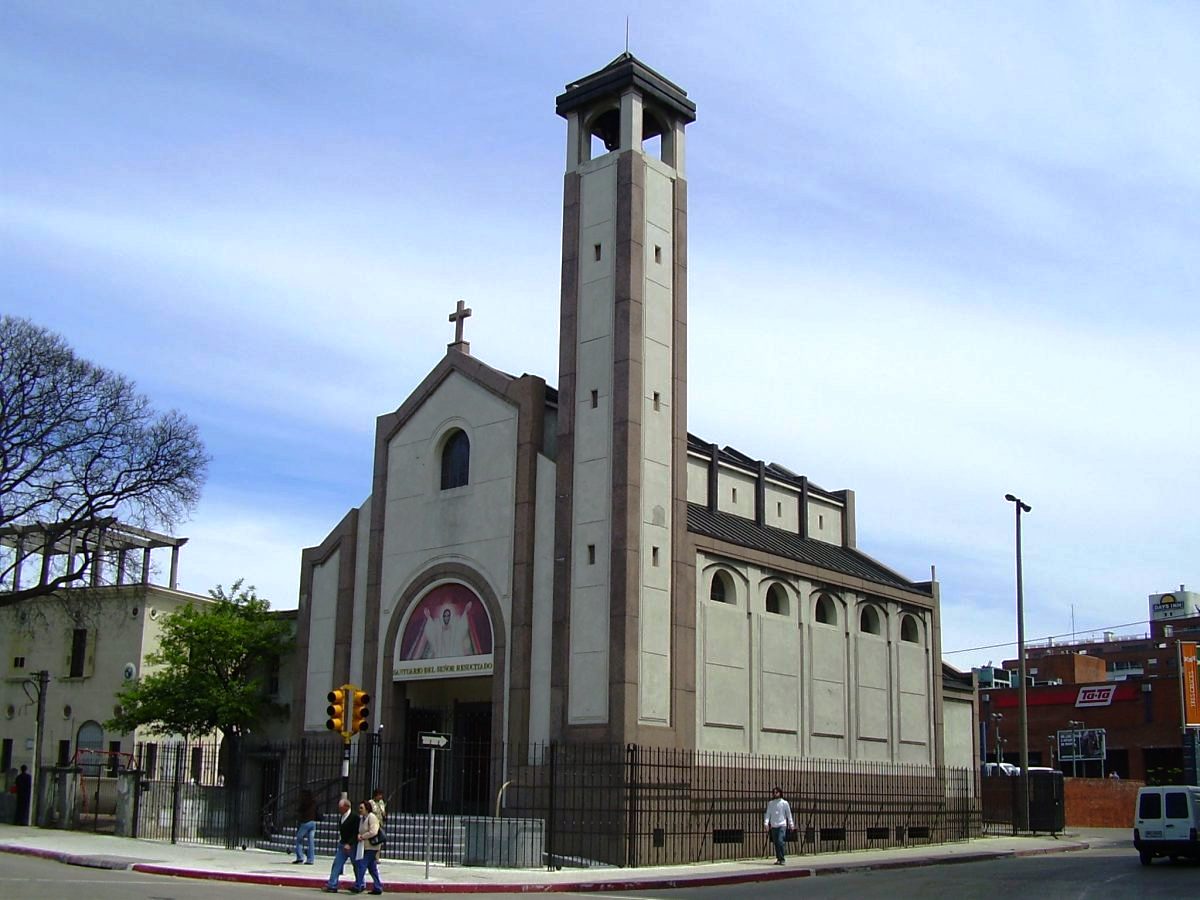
x: 336, y: 710
x: 360, y: 719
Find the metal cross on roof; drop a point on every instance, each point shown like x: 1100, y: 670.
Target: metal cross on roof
x: 461, y: 313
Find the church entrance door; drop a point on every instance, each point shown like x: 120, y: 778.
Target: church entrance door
x: 462, y: 784
x: 443, y: 667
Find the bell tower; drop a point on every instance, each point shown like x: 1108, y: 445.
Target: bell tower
x: 623, y: 662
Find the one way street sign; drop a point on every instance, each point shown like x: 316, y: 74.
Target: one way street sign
x: 433, y: 740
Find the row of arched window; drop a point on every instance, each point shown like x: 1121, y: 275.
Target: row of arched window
x: 825, y: 608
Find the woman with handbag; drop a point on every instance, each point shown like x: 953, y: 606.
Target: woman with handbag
x: 370, y: 839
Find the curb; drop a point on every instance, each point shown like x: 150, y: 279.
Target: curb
x: 426, y: 887
x: 591, y: 886
x: 72, y: 859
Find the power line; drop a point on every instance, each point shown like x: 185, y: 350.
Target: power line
x: 1052, y: 637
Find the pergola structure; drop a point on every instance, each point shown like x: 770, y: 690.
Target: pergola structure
x: 101, y: 541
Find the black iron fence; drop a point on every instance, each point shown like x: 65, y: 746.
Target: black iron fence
x: 190, y: 793
x: 555, y: 804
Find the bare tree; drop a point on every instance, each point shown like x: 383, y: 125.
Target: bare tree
x: 80, y: 451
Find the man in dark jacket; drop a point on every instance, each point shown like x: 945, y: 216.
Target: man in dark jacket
x: 23, y: 786
x: 347, y: 844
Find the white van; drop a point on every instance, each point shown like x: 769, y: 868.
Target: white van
x: 1167, y: 822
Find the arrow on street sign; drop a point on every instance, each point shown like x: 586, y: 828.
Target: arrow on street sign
x: 433, y: 740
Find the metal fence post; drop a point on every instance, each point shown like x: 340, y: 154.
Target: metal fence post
x: 177, y: 778
x: 550, y: 813
x: 631, y: 782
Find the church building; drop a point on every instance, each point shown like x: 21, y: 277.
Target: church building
x: 537, y: 562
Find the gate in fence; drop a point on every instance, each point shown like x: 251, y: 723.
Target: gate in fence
x: 1000, y: 797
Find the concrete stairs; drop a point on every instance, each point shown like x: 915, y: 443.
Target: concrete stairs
x: 405, y: 838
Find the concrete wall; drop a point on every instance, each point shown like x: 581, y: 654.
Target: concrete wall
x: 591, y: 510
x: 543, y: 605
x: 781, y: 682
x: 471, y: 524
x: 959, y: 733
x: 654, y: 614
x: 322, y: 621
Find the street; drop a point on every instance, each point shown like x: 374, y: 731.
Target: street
x: 1105, y: 872
x: 1110, y: 869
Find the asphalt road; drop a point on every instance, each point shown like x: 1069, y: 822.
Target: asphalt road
x: 1102, y: 872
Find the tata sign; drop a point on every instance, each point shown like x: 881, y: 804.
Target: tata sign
x: 1177, y: 605
x: 1096, y: 696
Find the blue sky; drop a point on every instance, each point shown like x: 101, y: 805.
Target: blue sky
x: 938, y: 253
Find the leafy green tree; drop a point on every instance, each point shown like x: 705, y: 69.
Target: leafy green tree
x: 209, y: 670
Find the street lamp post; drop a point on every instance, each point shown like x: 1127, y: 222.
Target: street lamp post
x: 1023, y: 724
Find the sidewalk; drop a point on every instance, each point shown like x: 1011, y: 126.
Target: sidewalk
x: 263, y: 867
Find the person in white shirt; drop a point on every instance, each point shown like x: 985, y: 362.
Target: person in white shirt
x: 778, y: 821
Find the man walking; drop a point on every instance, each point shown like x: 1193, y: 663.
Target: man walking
x: 778, y: 821
x: 347, y: 844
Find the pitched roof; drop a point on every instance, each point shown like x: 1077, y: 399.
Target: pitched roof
x: 768, y: 539
x: 623, y: 71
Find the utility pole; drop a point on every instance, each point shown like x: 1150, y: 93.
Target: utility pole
x: 1023, y: 724
x: 43, y: 682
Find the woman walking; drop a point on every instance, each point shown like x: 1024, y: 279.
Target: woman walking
x: 366, y: 857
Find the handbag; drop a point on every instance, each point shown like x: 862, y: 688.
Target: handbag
x: 378, y: 839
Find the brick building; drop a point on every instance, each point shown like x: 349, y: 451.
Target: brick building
x: 1129, y: 686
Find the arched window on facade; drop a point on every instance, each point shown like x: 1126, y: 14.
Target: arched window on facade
x: 826, y: 610
x: 721, y: 589
x: 868, y: 620
x: 456, y: 460
x: 910, y: 631
x: 777, y: 600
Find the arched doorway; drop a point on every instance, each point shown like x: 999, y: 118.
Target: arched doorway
x: 443, y: 683
x: 90, y: 737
